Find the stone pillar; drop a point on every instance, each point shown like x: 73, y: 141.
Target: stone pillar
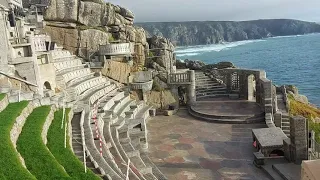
x: 287, y: 149
x: 3, y: 43
x: 299, y: 140
x: 229, y: 82
x: 278, y: 119
x: 192, y: 88
x: 243, y: 85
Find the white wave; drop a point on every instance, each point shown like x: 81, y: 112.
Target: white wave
x: 195, y: 50
x: 187, y: 54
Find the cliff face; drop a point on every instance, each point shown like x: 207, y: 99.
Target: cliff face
x: 82, y: 25
x: 212, y: 32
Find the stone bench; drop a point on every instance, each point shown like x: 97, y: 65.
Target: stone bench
x: 110, y: 101
x: 75, y: 74
x: 94, y: 150
x: 99, y: 94
x: 69, y: 69
x: 80, y: 88
x: 80, y: 79
x: 117, y: 105
x: 64, y: 64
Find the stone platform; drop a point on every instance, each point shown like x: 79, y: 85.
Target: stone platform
x: 187, y: 149
x: 230, y: 111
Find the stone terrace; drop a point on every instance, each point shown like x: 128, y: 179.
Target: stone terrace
x: 185, y: 148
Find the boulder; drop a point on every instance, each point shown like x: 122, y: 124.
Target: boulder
x: 116, y: 70
x: 62, y: 10
x: 220, y: 65
x: 90, y: 40
x: 194, y: 64
x: 161, y: 100
x: 292, y: 88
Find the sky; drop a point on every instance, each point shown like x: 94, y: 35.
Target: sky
x: 216, y: 10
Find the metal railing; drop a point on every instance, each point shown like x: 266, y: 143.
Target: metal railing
x: 314, y: 147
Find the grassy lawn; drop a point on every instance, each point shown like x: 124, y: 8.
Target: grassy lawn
x: 2, y: 95
x: 10, y: 166
x: 307, y: 111
x: 40, y: 162
x: 65, y: 156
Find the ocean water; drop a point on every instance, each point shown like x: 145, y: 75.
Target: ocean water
x: 287, y: 60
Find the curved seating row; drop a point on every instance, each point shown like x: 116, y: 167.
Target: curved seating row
x: 75, y: 74
x: 70, y: 63
x: 61, y: 55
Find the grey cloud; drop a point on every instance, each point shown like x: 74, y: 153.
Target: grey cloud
x: 189, y: 10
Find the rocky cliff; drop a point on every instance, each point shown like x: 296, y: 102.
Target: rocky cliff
x: 82, y: 25
x: 212, y: 32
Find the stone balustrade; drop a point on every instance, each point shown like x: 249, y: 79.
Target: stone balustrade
x: 116, y: 49
x: 39, y: 42
x: 144, y: 86
x: 180, y: 78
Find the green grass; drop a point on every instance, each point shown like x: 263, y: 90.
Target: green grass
x: 65, y: 156
x: 10, y: 166
x: 307, y: 111
x: 2, y: 95
x: 40, y: 162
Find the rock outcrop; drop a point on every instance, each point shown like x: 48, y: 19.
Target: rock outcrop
x: 82, y: 25
x: 213, y: 32
x: 161, y: 53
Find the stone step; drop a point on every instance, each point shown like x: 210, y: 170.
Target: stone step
x: 285, y: 128
x: 271, y: 172
x: 211, y: 90
x: 209, y: 93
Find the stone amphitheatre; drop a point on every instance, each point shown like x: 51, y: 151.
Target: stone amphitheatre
x: 84, y: 94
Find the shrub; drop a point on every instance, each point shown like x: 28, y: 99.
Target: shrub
x: 156, y: 86
x: 10, y: 165
x: 40, y: 162
x: 65, y: 156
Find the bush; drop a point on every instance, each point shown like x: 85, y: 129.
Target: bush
x: 10, y: 166
x: 65, y: 156
x: 307, y: 111
x: 39, y: 161
x: 156, y: 86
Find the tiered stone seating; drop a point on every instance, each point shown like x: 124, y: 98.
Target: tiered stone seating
x: 61, y: 55
x: 62, y: 65
x: 75, y: 74
x: 83, y: 89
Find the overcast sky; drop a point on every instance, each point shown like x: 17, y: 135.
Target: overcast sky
x: 188, y: 10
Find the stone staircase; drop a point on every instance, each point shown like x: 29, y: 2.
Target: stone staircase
x: 285, y: 124
x: 281, y: 169
x: 209, y: 88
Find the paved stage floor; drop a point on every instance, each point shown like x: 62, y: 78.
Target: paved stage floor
x: 185, y: 148
x: 227, y: 108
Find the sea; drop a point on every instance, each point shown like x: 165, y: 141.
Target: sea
x: 291, y: 60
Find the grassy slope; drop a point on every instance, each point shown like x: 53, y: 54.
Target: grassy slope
x: 40, y: 162
x: 307, y: 111
x: 65, y: 156
x: 2, y: 96
x: 10, y: 166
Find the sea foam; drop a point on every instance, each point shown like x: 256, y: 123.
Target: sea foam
x: 196, y: 50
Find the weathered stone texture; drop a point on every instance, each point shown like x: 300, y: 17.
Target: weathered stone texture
x: 62, y: 10
x: 90, y: 40
x: 298, y: 136
x: 116, y: 70
x: 4, y: 103
x: 161, y: 100
x: 66, y: 37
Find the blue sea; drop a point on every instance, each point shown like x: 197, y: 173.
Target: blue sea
x: 287, y: 60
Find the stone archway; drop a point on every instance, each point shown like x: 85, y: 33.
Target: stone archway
x: 47, y: 86
x: 276, y: 152
x: 251, y: 79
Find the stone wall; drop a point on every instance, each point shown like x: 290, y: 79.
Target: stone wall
x: 116, y: 70
x: 47, y: 124
x: 299, y: 141
x: 17, y: 128
x: 4, y: 103
x: 162, y: 99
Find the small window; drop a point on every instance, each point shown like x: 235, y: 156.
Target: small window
x: 11, y: 34
x: 91, y: 12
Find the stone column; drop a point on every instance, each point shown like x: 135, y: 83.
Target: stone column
x: 278, y: 119
x: 229, y: 82
x: 299, y: 140
x: 192, y: 88
x: 3, y: 43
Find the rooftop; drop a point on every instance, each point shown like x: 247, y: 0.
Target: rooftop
x: 269, y: 137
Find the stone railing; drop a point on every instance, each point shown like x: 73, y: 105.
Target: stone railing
x: 181, y: 78
x: 144, y: 86
x: 116, y: 49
